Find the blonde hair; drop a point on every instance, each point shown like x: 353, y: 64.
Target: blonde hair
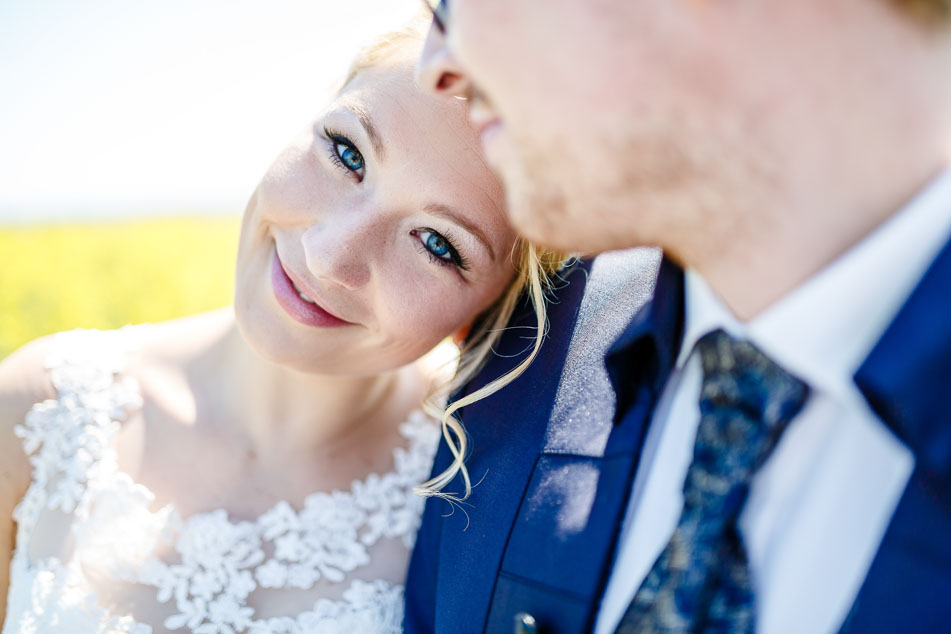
x: 537, y: 269
x: 406, y: 41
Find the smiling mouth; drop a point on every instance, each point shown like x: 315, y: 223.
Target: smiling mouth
x: 301, y: 307
x: 301, y: 293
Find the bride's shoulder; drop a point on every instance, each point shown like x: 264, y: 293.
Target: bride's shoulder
x: 178, y: 342
x: 70, y: 361
x: 24, y: 382
x: 165, y: 352
x: 73, y: 361
x: 115, y: 364
x: 78, y: 360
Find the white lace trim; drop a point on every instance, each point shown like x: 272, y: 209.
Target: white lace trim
x: 71, y: 444
x: 70, y: 439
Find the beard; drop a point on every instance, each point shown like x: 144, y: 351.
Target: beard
x: 661, y: 185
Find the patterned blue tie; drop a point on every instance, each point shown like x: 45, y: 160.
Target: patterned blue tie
x: 701, y: 581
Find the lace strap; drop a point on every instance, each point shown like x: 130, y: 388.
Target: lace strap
x: 70, y: 439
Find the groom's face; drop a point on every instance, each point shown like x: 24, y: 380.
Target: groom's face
x: 609, y: 121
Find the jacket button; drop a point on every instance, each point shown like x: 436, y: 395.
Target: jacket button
x: 525, y: 623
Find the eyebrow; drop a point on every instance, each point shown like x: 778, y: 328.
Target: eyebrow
x: 364, y: 118
x: 442, y: 211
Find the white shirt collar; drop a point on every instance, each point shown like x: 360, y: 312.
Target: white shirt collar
x: 704, y: 312
x: 823, y: 330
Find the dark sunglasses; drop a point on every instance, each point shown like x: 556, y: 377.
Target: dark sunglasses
x: 440, y: 9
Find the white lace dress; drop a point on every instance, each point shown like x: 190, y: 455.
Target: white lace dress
x: 92, y: 556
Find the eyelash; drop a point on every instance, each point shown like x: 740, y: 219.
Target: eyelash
x: 456, y: 258
x: 337, y: 139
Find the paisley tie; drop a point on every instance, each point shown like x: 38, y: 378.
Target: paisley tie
x: 701, y: 581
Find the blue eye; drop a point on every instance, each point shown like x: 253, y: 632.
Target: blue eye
x: 437, y: 245
x: 345, y: 154
x: 350, y: 156
x: 439, y: 248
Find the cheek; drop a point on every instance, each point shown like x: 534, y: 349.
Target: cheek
x: 417, y: 316
x: 292, y: 187
x: 423, y: 314
x: 253, y: 237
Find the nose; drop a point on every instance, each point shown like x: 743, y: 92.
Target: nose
x: 438, y: 72
x: 337, y: 251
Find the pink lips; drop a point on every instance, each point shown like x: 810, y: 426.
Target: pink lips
x: 304, y: 312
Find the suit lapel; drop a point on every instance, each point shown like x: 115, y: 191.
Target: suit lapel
x: 562, y: 543
x: 907, y: 377
x: 506, y: 433
x: 907, y: 382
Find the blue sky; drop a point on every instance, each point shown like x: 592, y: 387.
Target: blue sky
x: 115, y: 107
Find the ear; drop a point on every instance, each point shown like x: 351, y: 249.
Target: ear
x: 459, y: 337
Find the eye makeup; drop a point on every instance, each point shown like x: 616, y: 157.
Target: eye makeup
x: 440, y: 248
x: 345, y: 154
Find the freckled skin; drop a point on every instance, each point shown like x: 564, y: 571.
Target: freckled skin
x: 355, y: 241
x: 243, y: 409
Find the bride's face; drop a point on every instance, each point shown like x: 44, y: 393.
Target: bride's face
x: 373, y: 236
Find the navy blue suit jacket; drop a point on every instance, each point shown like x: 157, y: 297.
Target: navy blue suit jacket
x: 907, y: 381
x: 554, y: 469
x: 542, y: 528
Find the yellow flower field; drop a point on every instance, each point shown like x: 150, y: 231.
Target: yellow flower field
x: 105, y: 275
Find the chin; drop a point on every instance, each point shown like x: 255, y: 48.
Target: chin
x: 261, y: 328
x: 547, y: 223
x: 577, y: 243
x: 264, y: 340
x: 262, y: 333
x: 278, y: 348
x: 579, y: 223
x: 280, y: 345
x: 540, y: 212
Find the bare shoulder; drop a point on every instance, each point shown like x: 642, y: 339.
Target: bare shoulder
x: 170, y: 363
x: 24, y: 382
x: 164, y: 351
x: 153, y: 355
x: 154, y: 349
x: 178, y: 340
x: 23, y: 374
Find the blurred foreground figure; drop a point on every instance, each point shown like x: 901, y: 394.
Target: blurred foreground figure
x: 779, y: 458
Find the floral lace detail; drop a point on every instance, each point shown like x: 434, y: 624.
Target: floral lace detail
x: 366, y: 607
x: 218, y: 562
x: 222, y: 562
x: 51, y: 583
x: 69, y: 440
